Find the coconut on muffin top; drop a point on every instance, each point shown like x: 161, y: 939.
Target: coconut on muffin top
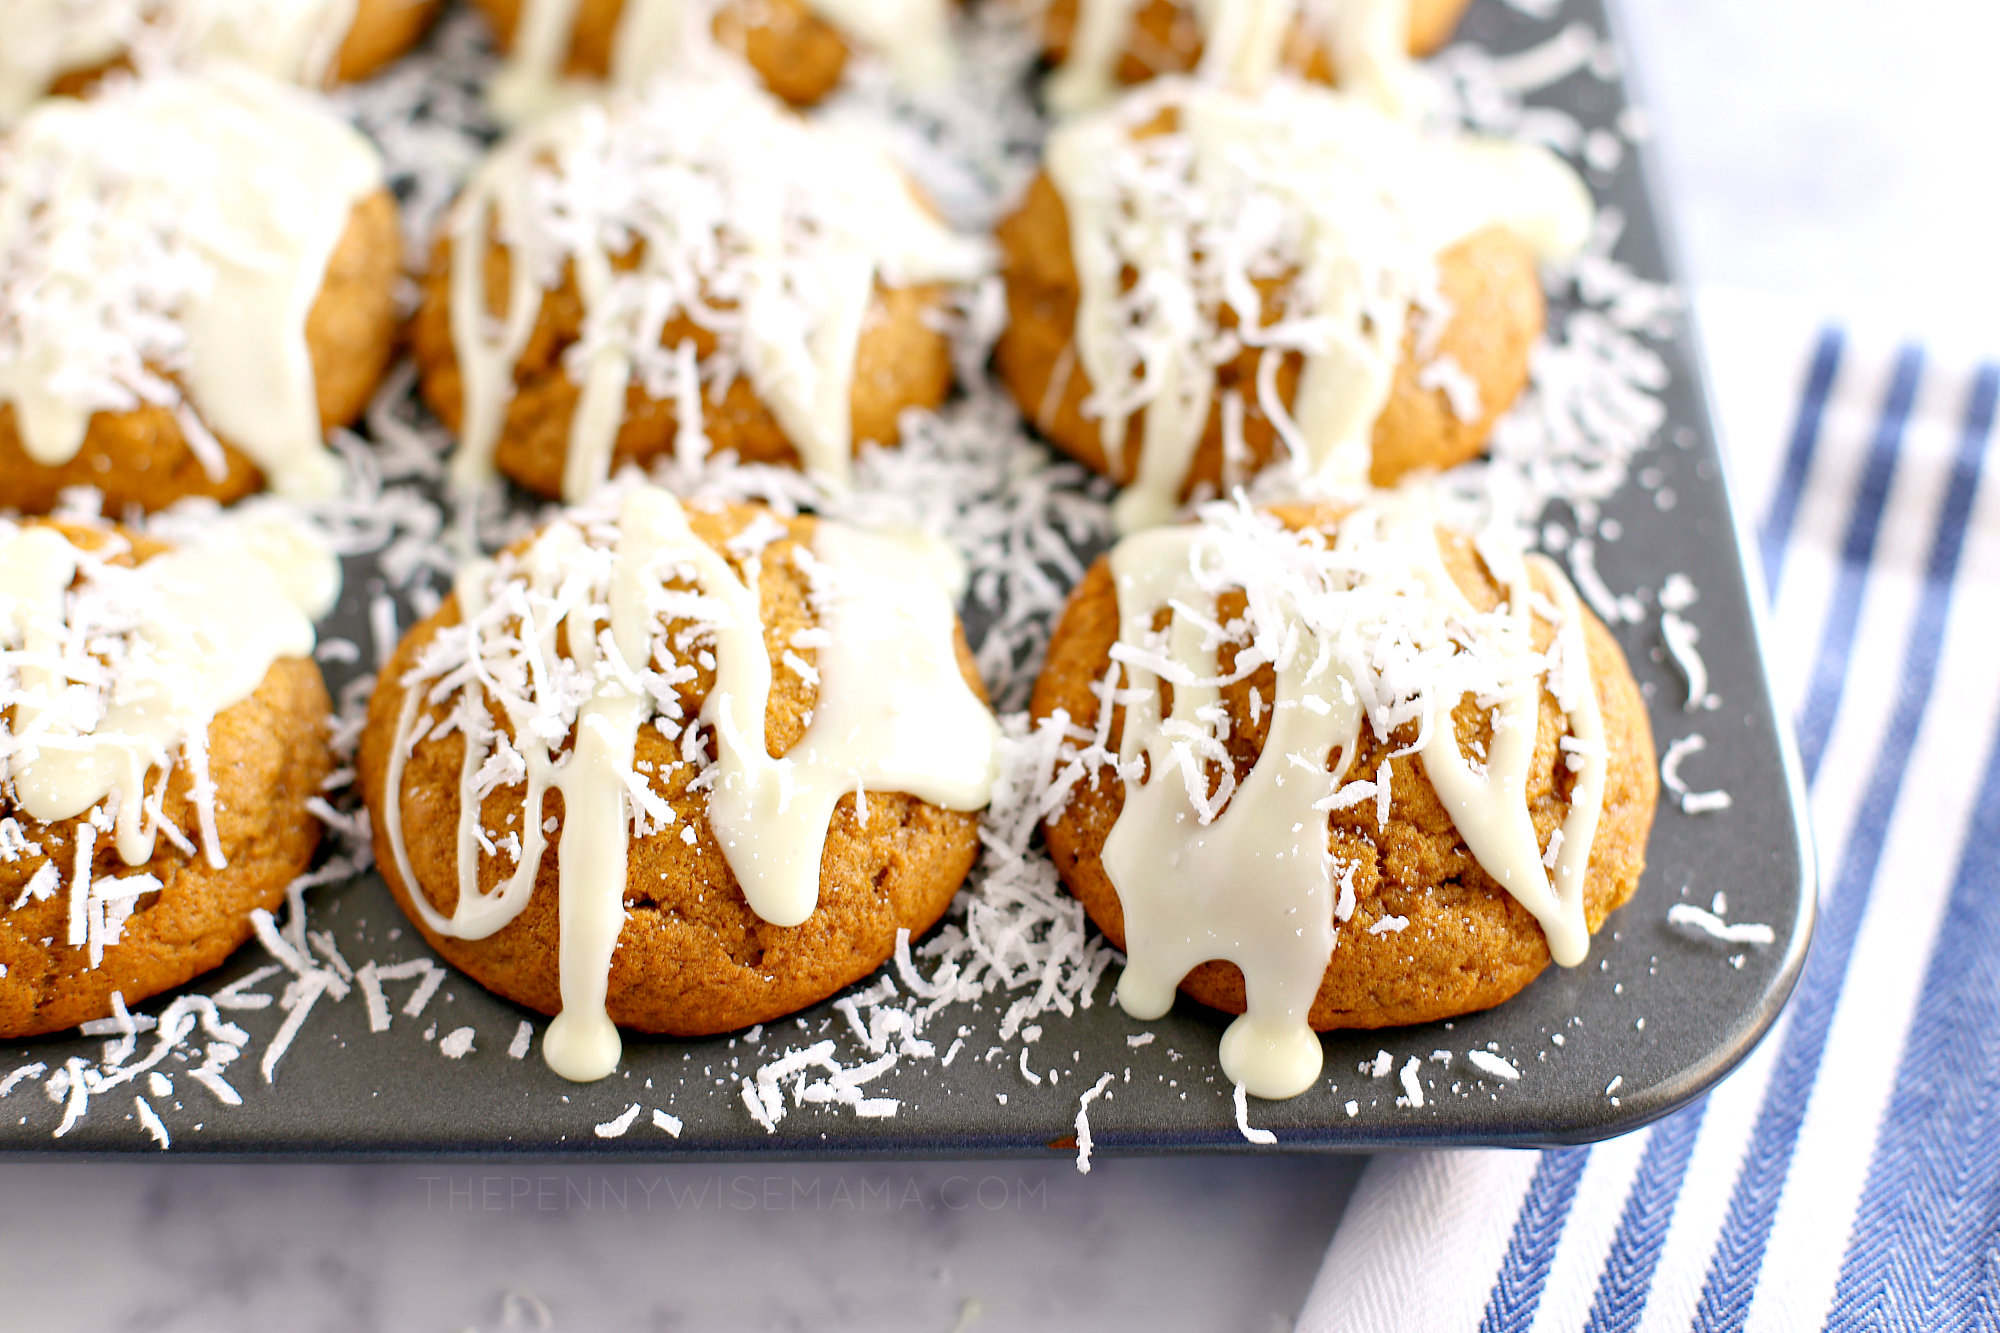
x: 163, y: 245
x: 117, y: 656
x: 1206, y: 224
x: 1220, y: 846
x: 701, y: 234
x: 618, y: 618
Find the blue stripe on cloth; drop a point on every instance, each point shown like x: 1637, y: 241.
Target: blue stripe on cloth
x: 1857, y: 554
x: 1921, y: 1242
x: 1531, y: 1250
x: 1538, y: 1226
x: 1929, y: 1210
x: 1642, y: 1228
x: 1776, y: 531
x: 1738, y: 1257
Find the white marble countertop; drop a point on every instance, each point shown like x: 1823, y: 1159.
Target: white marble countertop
x: 191, y: 1248
x: 1818, y: 151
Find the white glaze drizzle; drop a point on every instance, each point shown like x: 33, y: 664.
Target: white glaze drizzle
x: 1245, y: 886
x: 1365, y: 627
x: 885, y: 667
x: 1297, y: 180
x: 676, y: 37
x: 115, y: 672
x: 175, y: 231
x: 293, y: 40
x: 767, y: 231
x: 1243, y: 45
x: 893, y: 714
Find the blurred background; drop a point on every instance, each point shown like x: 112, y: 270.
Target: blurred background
x: 1832, y: 158
x: 1837, y: 154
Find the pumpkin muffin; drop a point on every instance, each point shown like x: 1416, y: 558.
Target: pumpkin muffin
x: 720, y: 907
x: 103, y: 891
x: 197, y: 283
x: 1284, y: 276
x: 1441, y: 896
x: 745, y: 283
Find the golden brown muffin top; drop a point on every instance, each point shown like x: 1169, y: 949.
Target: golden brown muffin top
x: 718, y: 680
x: 1311, y: 698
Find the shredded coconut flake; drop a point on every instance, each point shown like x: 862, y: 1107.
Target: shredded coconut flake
x: 456, y: 1044
x: 1083, y: 1139
x: 22, y: 1074
x: 1413, y: 1086
x: 1708, y: 923
x: 149, y: 1121
x: 612, y: 1129
x: 1681, y: 637
x: 1691, y: 802
x: 1261, y: 1137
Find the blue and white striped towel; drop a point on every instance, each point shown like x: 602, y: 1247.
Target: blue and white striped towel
x: 1847, y: 1176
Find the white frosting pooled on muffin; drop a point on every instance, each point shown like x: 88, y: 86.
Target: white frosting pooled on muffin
x: 766, y: 231
x: 1243, y: 45
x: 1363, y: 626
x: 1346, y: 206
x: 656, y: 37
x: 293, y: 40
x: 893, y: 714
x: 164, y: 243
x: 114, y: 672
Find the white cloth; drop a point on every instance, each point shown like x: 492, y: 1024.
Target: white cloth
x: 1845, y: 1176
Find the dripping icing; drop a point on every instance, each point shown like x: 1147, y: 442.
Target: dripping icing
x: 765, y: 231
x: 1255, y: 883
x: 1295, y: 180
x: 893, y: 714
x: 115, y: 672
x: 175, y: 226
